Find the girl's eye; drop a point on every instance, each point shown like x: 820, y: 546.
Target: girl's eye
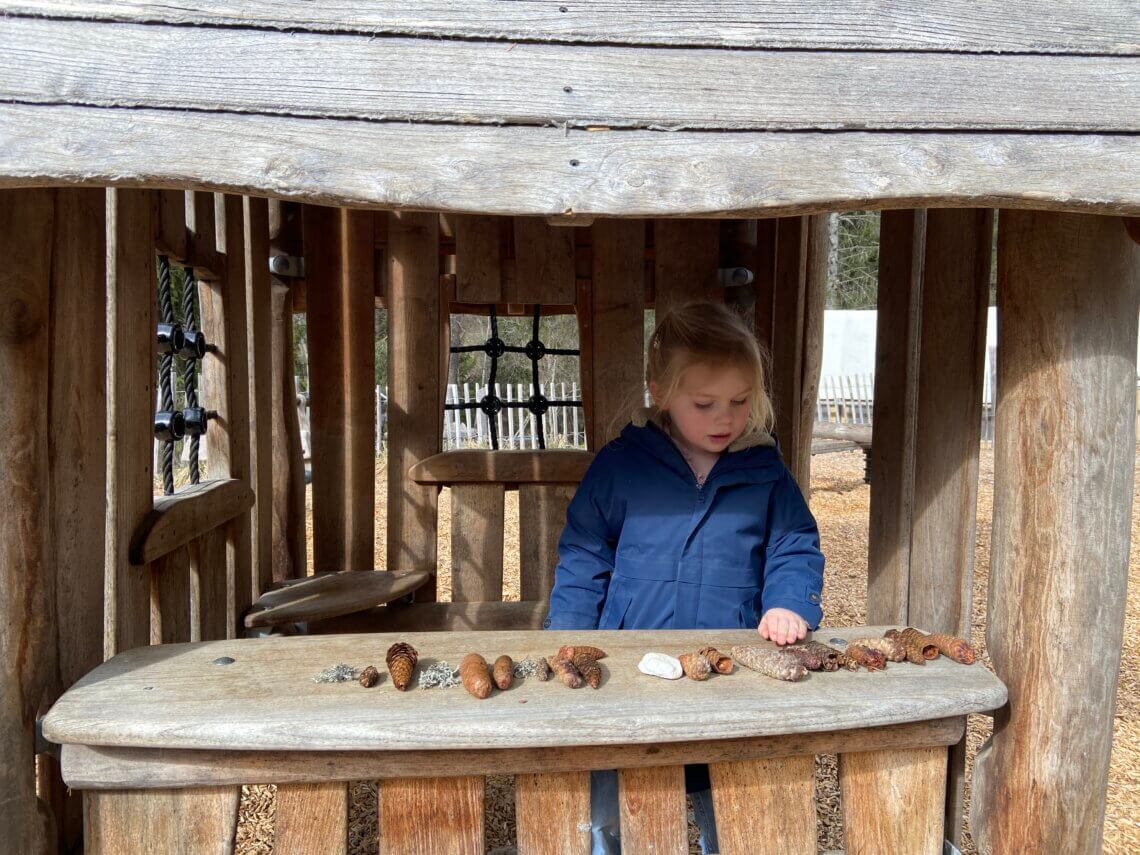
x: 703, y: 406
x: 740, y: 403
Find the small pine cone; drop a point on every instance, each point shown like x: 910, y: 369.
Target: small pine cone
x: 918, y: 650
x: 845, y: 661
x: 566, y: 671
x: 771, y: 662
x: 828, y: 656
x: 720, y: 663
x: 956, y: 648
x: 811, y: 659
x: 503, y: 672
x: 892, y: 648
x: 401, y: 661
x: 474, y: 675
x: 570, y: 651
x: 695, y: 666
x: 589, y: 668
x: 369, y: 677
x: 872, y: 660
x: 542, y: 670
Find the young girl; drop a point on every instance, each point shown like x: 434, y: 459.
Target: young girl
x: 690, y: 520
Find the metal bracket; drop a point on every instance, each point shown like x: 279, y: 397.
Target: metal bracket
x: 289, y: 266
x: 731, y: 277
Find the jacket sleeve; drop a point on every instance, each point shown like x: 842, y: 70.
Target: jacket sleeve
x: 586, y: 549
x: 793, y: 568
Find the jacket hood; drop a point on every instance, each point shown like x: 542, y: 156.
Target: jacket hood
x: 650, y: 429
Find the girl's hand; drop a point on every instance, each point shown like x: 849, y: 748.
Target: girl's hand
x: 782, y: 626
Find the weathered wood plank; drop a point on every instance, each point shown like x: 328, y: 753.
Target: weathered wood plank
x: 102, y: 767
x: 1064, y: 451
x: 544, y: 263
x: 420, y: 816
x: 552, y: 813
x: 811, y: 343
x: 170, y: 620
x: 170, y: 220
x: 311, y: 818
x: 477, y: 543
x: 289, y: 547
x: 901, y: 256
x: 520, y: 170
x: 27, y: 580
x: 765, y: 807
x: 617, y: 300
x: 440, y: 617
x: 131, y: 374
x: 949, y: 25
x: 893, y: 800
x: 478, y: 259
x: 332, y: 594
x: 764, y: 285
x: 202, y: 235
x: 210, y: 592
x: 413, y: 393
x: 652, y: 802
x: 686, y: 262
x: 542, y: 516
x: 258, y: 71
x: 117, y: 822
x: 176, y: 520
x: 788, y: 309
x: 509, y: 467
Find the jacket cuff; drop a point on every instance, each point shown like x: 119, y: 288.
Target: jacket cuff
x: 571, y: 620
x: 809, y: 611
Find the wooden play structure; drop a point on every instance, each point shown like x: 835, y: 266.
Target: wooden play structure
x: 502, y: 158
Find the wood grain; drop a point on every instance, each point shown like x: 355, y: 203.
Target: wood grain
x: 507, y: 467
x: 765, y: 806
x: 271, y: 701
x: 176, y: 520
x: 788, y: 312
x: 544, y: 263
x: 311, y: 819
x: 123, y: 822
x: 478, y: 259
x: 948, y: 25
x: 266, y: 72
x: 289, y: 548
x: 686, y: 262
x: 437, y: 617
x: 331, y: 594
x: 517, y: 170
x: 27, y: 584
x: 202, y: 235
x: 427, y: 815
x: 170, y: 219
x: 893, y: 800
x: 477, y: 543
x: 542, y: 516
x: 811, y: 343
x: 653, y: 809
x: 210, y: 591
x: 1068, y: 291
x: 552, y: 813
x: 170, y: 621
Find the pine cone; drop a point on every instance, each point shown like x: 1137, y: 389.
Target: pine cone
x: 588, y: 667
x: 569, y: 651
x: 369, y: 677
x: 956, y: 648
x: 542, y: 669
x: 918, y: 649
x: 566, y: 671
x: 811, y: 659
x: 473, y: 673
x: 771, y: 662
x: 892, y: 648
x: 503, y: 672
x: 828, y: 656
x: 695, y: 666
x: 872, y: 660
x: 847, y: 662
x: 720, y: 663
x: 401, y: 661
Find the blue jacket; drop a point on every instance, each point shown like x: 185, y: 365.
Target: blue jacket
x: 645, y: 548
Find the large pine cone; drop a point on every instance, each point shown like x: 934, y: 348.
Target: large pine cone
x: 401, y: 661
x: 828, y: 656
x: 892, y: 648
x: 769, y: 661
x: 956, y: 648
x: 918, y: 647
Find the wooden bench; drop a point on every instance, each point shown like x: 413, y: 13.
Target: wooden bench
x: 161, y: 738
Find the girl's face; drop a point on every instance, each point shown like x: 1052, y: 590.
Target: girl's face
x: 710, y: 406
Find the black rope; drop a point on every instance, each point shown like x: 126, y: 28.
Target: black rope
x: 537, y: 404
x: 190, y: 366
x: 165, y: 365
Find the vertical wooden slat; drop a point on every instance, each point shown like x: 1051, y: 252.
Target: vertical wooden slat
x: 131, y: 313
x: 478, y: 259
x: 811, y: 344
x: 423, y: 816
x: 902, y: 242
x: 788, y: 310
x: 542, y: 516
x: 289, y: 551
x: 553, y: 813
x: 170, y: 598
x: 477, y: 543
x: 893, y: 800
x: 209, y: 588
x: 259, y: 310
x: 653, y: 810
x: 311, y: 819
x: 27, y: 637
x: 170, y: 221
x: 544, y: 262
x: 765, y: 806
x: 201, y: 235
x: 1064, y: 450
x: 413, y: 393
x: 120, y: 822
x: 765, y: 281
x: 618, y: 351
x: 686, y: 262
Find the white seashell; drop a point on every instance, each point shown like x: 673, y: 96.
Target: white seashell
x: 660, y: 665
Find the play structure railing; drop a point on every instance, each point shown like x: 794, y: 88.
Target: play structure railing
x: 160, y: 740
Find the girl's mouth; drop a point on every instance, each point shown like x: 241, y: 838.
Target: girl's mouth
x: 719, y: 437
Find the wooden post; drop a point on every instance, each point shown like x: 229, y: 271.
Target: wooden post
x: 686, y: 261
x: 259, y: 310
x: 27, y: 640
x: 765, y: 282
x: 414, y: 389
x: 1068, y: 287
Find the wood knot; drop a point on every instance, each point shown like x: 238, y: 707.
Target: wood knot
x: 20, y: 316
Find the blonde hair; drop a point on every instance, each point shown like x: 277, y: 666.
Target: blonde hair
x: 710, y: 334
